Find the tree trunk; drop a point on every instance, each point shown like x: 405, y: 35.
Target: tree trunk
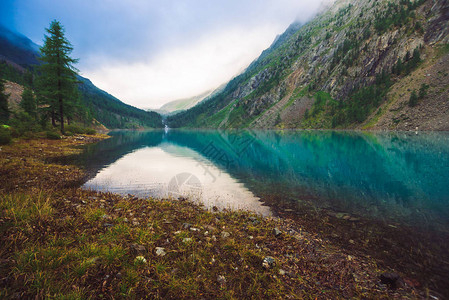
x: 53, y: 121
x: 61, y: 109
x: 61, y: 112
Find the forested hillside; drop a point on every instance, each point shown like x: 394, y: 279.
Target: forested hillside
x: 18, y: 64
x: 359, y: 64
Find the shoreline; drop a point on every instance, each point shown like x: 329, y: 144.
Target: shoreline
x: 188, y: 250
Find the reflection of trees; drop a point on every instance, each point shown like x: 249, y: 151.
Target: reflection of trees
x: 106, y: 152
x: 386, y: 174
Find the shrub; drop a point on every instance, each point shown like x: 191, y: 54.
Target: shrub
x: 5, y: 136
x: 90, y: 131
x: 53, y: 135
x: 75, y: 129
x: 423, y: 90
x: 413, y: 101
x: 22, y: 123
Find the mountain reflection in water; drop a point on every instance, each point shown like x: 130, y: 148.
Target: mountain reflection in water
x: 392, y: 176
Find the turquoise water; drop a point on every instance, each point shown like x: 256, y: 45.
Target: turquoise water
x: 401, y: 177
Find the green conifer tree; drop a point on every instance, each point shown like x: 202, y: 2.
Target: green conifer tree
x: 413, y: 101
x: 28, y: 102
x: 58, y: 75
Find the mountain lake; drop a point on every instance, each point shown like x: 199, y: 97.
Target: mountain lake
x: 383, y: 194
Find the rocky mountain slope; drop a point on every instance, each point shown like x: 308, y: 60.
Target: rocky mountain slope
x: 355, y: 65
x: 18, y: 55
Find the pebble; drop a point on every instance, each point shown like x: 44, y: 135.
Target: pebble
x: 268, y: 262
x: 140, y: 260
x: 221, y: 279
x: 340, y: 215
x: 282, y: 272
x: 186, y: 240
x: 138, y: 249
x: 276, y: 232
x: 210, y: 228
x: 186, y: 225
x: 225, y: 235
x: 160, y: 251
x: 254, y: 220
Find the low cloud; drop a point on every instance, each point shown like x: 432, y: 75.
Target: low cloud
x: 185, y: 71
x: 149, y: 52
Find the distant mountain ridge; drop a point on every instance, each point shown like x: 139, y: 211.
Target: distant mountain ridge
x: 178, y: 106
x: 17, y: 48
x: 20, y: 52
x: 355, y: 65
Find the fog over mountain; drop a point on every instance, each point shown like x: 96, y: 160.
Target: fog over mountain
x: 148, y: 53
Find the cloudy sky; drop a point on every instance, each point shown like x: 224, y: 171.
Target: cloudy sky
x: 149, y: 52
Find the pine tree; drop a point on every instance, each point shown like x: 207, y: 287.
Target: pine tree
x: 4, y: 111
x: 28, y: 102
x: 58, y: 75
